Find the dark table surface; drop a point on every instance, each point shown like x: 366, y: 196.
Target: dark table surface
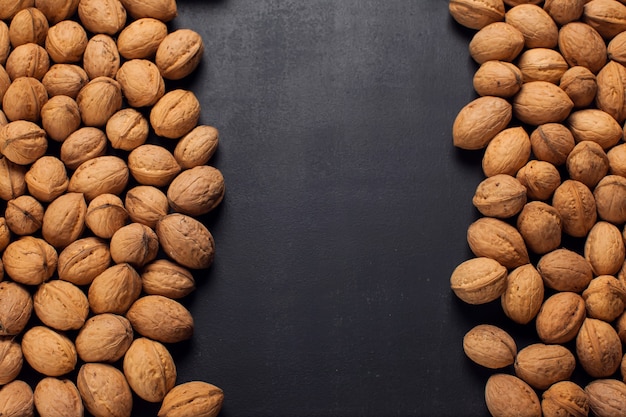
x: 346, y: 209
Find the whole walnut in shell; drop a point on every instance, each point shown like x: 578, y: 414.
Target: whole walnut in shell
x: 104, y: 390
x: 175, y: 114
x: 16, y: 399
x: 104, y: 338
x: 161, y: 319
x: 64, y: 219
x: 106, y: 215
x: 101, y: 58
x: 24, y: 215
x: 22, y: 142
x: 60, y: 117
x: 163, y: 10
x: 136, y: 244
x: 15, y: 309
x: 11, y: 359
x: 196, y: 147
x: 28, y: 60
x: 146, y: 204
x: 61, y: 305
x: 85, y: 144
x: 83, y: 260
x: 127, y: 129
x: 99, y: 100
x: 186, y: 240
x: 66, y: 42
x: 179, y: 54
x: 29, y: 260
x: 489, y: 346
x: 54, y: 397
x: 24, y: 99
x: 65, y: 79
x: 141, y: 38
x: 149, y: 369
x: 196, y: 191
x: 48, y: 352
x: 102, y: 16
x: 29, y: 25
x: 115, y: 289
x: 141, y: 82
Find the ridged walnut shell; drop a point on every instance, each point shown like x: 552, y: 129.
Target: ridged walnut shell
x: 58, y: 397
x: 499, y: 196
x: 104, y: 338
x: 161, y: 318
x: 541, y: 365
x: 582, y: 45
x: 149, y: 369
x: 508, y: 395
x: 565, y: 398
x: 604, y: 248
x: 186, y: 241
x: 605, y: 298
x: 599, y: 348
x: 576, y: 206
x: 195, y: 398
x: 476, y: 14
x: 196, y: 191
x: 175, y: 114
x: 497, y: 41
x: 479, y: 121
x: 607, y: 397
x: 15, y: 309
x: 595, y: 125
x: 540, y: 102
x: 610, y: 196
x: 496, y: 239
x: 478, y: 280
x: 523, y: 296
x: 538, y: 28
x: 560, y: 317
x: 83, y: 260
x: 580, y: 84
x: 507, y: 152
x: 489, y: 346
x: 61, y: 305
x: 64, y: 219
x: 114, y: 290
x: 29, y: 260
x: 565, y: 270
x: 104, y: 390
x: 48, y: 352
x: 606, y: 16
x: 100, y: 175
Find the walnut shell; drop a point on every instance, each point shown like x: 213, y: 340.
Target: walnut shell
x: 610, y: 196
x: 64, y: 219
x: 607, y: 397
x: 617, y: 160
x: 489, y: 346
x: 479, y: 121
x: 136, y: 244
x: 5, y: 42
x: 61, y: 305
x: 161, y: 319
x: 57, y: 397
x: 102, y: 16
x: 552, y: 142
x: 610, y: 96
x: 29, y: 260
x: 57, y: 10
x: 497, y: 41
x: 576, y: 206
x: 542, y: 64
x: 106, y: 215
x: 5, y: 236
x: 12, y: 182
x: 605, y: 298
x: 508, y: 395
x: 540, y: 102
x: 153, y: 165
x: 47, y: 179
x: 149, y: 369
x: 560, y: 317
x: 479, y: 280
x: 83, y: 260
x: 166, y: 278
x: 22, y: 142
x: 538, y: 28
x: 580, y: 84
x: 507, y: 152
x: 541, y: 365
x: 65, y: 79
x: 497, y: 78
x: 99, y: 100
x: 48, y: 352
x: 101, y: 175
x: 127, y: 129
x: 499, y: 196
x: 196, y: 147
x: 10, y: 7
x: 141, y: 38
x: 141, y: 82
x: 24, y: 215
x: 565, y: 398
x: 15, y: 309
x: 175, y: 114
x: 604, y: 248
x: 85, y: 144
x: 587, y: 163
x: 101, y: 58
x: 493, y: 238
x: 163, y: 10
x: 598, y: 348
x: 565, y: 270
x: 540, y: 178
x: 24, y: 99
x: 66, y: 42
x: 28, y: 60
x: 186, y: 241
x: 60, y: 117
x: 104, y: 338
x: 616, y: 48
x: 605, y: 16
x: 196, y: 191
x: 16, y: 399
x: 476, y: 14
x: 146, y: 205
x: 192, y: 398
x: 564, y: 11
x: 114, y: 290
x: 104, y: 390
x: 523, y: 296
x: 582, y: 45
x: 11, y: 360
x: 179, y: 54
x: 595, y: 125
x: 541, y: 227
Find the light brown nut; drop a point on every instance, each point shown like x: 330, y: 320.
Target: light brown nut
x: 102, y: 16
x: 29, y: 260
x: 161, y: 319
x: 538, y: 28
x: 97, y: 101
x: 541, y: 365
x: 508, y: 395
x: 101, y: 175
x: 24, y: 99
x: 15, y: 309
x: 565, y: 270
x: 24, y: 215
x: 5, y: 234
x: 166, y: 278
x: 146, y: 204
x: 141, y: 82
x: 507, y: 152
x: 186, y: 241
x: 66, y: 42
x: 104, y: 338
x: 580, y: 84
x: 127, y: 129
x: 28, y: 25
x: 497, y: 41
x: 48, y: 352
x: 564, y: 11
x: 606, y: 16
x: 16, y: 399
x: 604, y: 248
x: 565, y: 398
x: 607, y: 397
x: 196, y: 147
x: 57, y: 10
x: 598, y: 348
x: 179, y: 54
x: 479, y: 121
x: 499, y: 196
x: 104, y: 390
x: 610, y: 96
x: 114, y: 290
x: 582, y: 45
x: 60, y: 117
x: 141, y: 38
x: 65, y: 79
x: 196, y: 191
x: 540, y: 178
x: 149, y: 369
x: 106, y: 215
x: 587, y: 163
x: 497, y: 78
x: 542, y: 64
x: 83, y: 145
x: 478, y: 280
x: 61, y: 305
x: 22, y: 142
x: 523, y: 296
x: 11, y: 7
x: 57, y: 397
x: 605, y: 298
x: 493, y: 238
x: 541, y: 227
x: 576, y: 206
x: 11, y: 359
x: 83, y: 260
x: 101, y: 58
x: 163, y: 10
x: 617, y: 160
x: 560, y: 317
x: 135, y: 243
x: 195, y: 398
x: 475, y: 14
x: 153, y: 165
x: 610, y: 196
x: 541, y: 102
x: 175, y: 114
x: 28, y: 60
x: 64, y: 219
x: 616, y: 48
x: 489, y: 346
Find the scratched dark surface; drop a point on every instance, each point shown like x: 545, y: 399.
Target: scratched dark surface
x: 346, y: 210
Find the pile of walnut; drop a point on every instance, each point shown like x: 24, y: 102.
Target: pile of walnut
x: 551, y: 245
x: 103, y: 171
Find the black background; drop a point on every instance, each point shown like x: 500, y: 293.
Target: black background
x: 346, y: 209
